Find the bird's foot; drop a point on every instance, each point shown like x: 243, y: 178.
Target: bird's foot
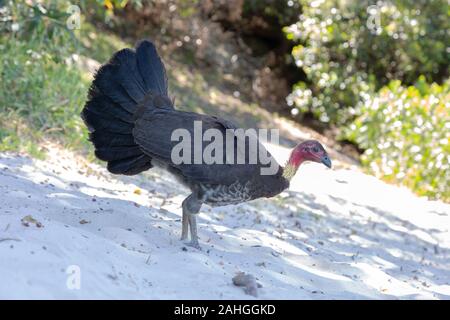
x: 194, y: 244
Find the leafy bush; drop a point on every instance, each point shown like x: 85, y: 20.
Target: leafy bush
x: 105, y: 9
x: 350, y: 47
x: 406, y: 134
x: 279, y: 13
x: 45, y: 74
x: 41, y: 91
x: 42, y: 25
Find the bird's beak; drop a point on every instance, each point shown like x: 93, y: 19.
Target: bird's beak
x: 326, y: 161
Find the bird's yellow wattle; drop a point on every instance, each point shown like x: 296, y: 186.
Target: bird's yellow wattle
x: 289, y: 171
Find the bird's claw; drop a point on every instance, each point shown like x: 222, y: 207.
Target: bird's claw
x: 194, y: 244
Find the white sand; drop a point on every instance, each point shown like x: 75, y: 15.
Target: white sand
x: 337, y: 234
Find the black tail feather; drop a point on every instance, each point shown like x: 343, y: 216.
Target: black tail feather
x: 126, y: 74
x: 154, y: 73
x: 105, y: 82
x: 102, y: 105
x: 106, y: 123
x: 111, y: 153
x: 131, y: 166
x: 107, y: 139
x: 129, y: 80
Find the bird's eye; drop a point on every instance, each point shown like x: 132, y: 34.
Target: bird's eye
x: 315, y: 149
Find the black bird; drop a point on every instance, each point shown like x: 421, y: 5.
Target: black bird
x: 131, y: 119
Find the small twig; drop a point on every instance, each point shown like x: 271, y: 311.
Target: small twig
x: 9, y: 239
x: 148, y: 259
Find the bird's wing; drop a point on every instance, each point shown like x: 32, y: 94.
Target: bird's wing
x: 153, y: 132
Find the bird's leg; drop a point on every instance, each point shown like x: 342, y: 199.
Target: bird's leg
x: 191, y: 206
x: 193, y: 226
x: 184, y: 225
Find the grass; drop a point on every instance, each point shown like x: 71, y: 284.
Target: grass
x: 39, y: 96
x: 44, y: 87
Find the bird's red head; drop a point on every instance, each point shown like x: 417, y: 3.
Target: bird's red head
x: 310, y: 150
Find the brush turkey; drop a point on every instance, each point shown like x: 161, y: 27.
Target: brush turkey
x: 131, y: 119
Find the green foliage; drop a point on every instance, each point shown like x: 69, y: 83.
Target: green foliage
x: 406, y: 134
x: 105, y: 9
x: 35, y: 87
x: 280, y: 13
x: 41, y: 91
x: 351, y: 47
x: 42, y: 25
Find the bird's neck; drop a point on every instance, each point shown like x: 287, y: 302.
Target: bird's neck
x: 290, y: 169
x: 296, y: 158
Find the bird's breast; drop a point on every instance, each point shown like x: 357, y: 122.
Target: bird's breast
x: 222, y: 195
